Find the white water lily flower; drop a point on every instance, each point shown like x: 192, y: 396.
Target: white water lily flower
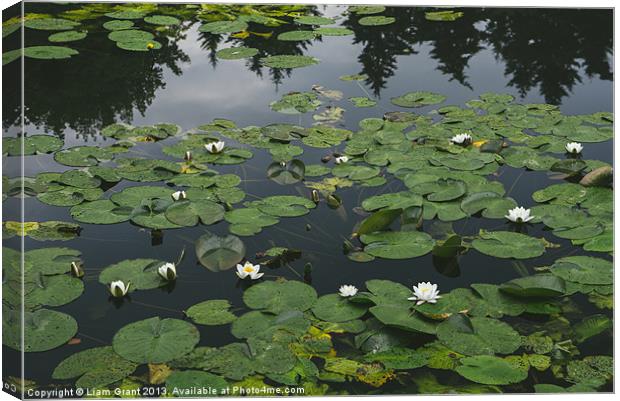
x: 179, y: 195
x: 342, y: 159
x: 574, y: 147
x: 249, y: 270
x: 348, y: 290
x: 76, y: 269
x: 118, y: 289
x: 461, y: 139
x: 168, y: 271
x: 425, y: 292
x: 519, y: 215
x: 215, y: 147
x: 188, y: 156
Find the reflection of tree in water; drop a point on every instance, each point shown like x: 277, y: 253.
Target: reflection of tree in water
x: 549, y: 47
x: 545, y: 48
x: 263, y: 38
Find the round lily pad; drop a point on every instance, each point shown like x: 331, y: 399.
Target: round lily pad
x: 314, y: 20
x: 219, y: 27
x: 505, y: 244
x: 126, y: 14
x: 376, y: 20
x: 117, y: 25
x: 296, y: 35
x: 82, y: 156
x: 166, y: 20
x: 219, y: 253
x: 211, y: 313
x: 50, y: 24
x: 94, y: 368
x: 49, y: 52
x: 44, y: 330
x: 288, y: 61
x: 487, y: 369
x: 68, y: 36
x: 328, y: 31
x: 276, y: 297
x: 33, y: 144
x: 478, y: 335
x: 141, y: 273
x: 418, y: 99
x: 139, y: 45
x: 130, y: 35
x: 155, y: 340
x: 188, y: 213
x: 398, y: 244
x: 334, y: 308
x: 100, y: 212
x: 236, y: 53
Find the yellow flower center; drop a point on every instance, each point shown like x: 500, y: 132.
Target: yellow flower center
x: 248, y: 269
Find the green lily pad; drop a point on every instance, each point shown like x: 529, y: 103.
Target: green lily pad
x: 487, y: 369
x: 478, y: 335
x: 219, y: 253
x: 296, y: 35
x: 219, y: 27
x: 94, y: 368
x: 83, y: 156
x: 141, y: 273
x: 397, y: 245
x: 365, y: 10
x: 539, y: 285
x: 584, y: 270
x: 34, y: 144
x: 138, y: 45
x: 296, y: 103
x: 329, y: 31
x: 155, y: 340
x: 288, y: 61
x: 185, y: 382
x: 395, y: 200
x: 188, y: 213
x: 314, y: 20
x: 377, y: 20
x: 53, y: 291
x: 211, y: 313
x: 130, y: 35
x: 67, y: 36
x: 334, y: 308
x: 362, y: 102
x: 117, y: 25
x: 398, y: 358
x: 418, y: 99
x: 403, y: 318
x: 276, y: 297
x: 286, y: 173
x: 165, y: 20
x: 43, y: 329
x: 49, y: 52
x: 50, y: 24
x: 448, y: 15
x: 100, y: 212
x: 284, y: 205
x: 126, y: 14
x: 236, y: 53
x: 491, y: 204
x: 505, y: 244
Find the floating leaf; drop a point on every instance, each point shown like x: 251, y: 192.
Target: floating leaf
x: 43, y: 330
x: 276, y: 297
x: 219, y: 253
x: 487, y: 369
x: 376, y: 20
x: 505, y: 244
x: 313, y: 20
x: 33, y: 144
x: 68, y: 36
x: 117, y: 25
x: 49, y: 52
x: 334, y: 308
x: 418, y: 99
x: 288, y: 61
x: 155, y: 340
x: 184, y: 383
x: 236, y: 53
x: 141, y: 273
x: 328, y: 31
x: 94, y: 367
x: 211, y: 313
x: 362, y: 101
x: 219, y: 27
x: 188, y: 213
x: 50, y: 24
x: 478, y: 335
x: 448, y: 15
x: 397, y: 245
x: 296, y: 35
x: 165, y: 20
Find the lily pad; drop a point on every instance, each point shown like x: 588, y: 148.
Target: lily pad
x: 165, y: 20
x: 49, y: 52
x: 211, y: 313
x: 488, y: 369
x: 505, y: 244
x: 117, y: 25
x: 43, y: 329
x: 155, y: 340
x: 219, y: 253
x: 448, y: 15
x: 100, y: 212
x: 296, y: 35
x: 314, y: 20
x: 219, y: 27
x: 82, y: 156
x: 397, y: 245
x: 418, y: 99
x: 50, y: 24
x: 478, y: 335
x: 288, y: 61
x: 94, y: 368
x: 276, y: 297
x: 334, y: 308
x: 141, y: 273
x: 33, y: 144
x: 68, y: 36
x: 236, y: 53
x: 377, y: 20
x: 188, y: 213
x: 296, y: 103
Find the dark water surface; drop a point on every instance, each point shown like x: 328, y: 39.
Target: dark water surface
x: 552, y: 56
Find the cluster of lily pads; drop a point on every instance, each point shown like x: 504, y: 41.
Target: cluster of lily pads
x: 140, y: 27
x: 444, y: 165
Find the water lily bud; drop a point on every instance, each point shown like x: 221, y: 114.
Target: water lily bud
x: 168, y: 271
x: 188, y: 156
x: 308, y: 227
x: 118, y: 289
x: 315, y: 196
x: 150, y: 45
x: 334, y: 201
x: 76, y: 269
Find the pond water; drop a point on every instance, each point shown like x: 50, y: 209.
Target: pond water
x: 558, y: 58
